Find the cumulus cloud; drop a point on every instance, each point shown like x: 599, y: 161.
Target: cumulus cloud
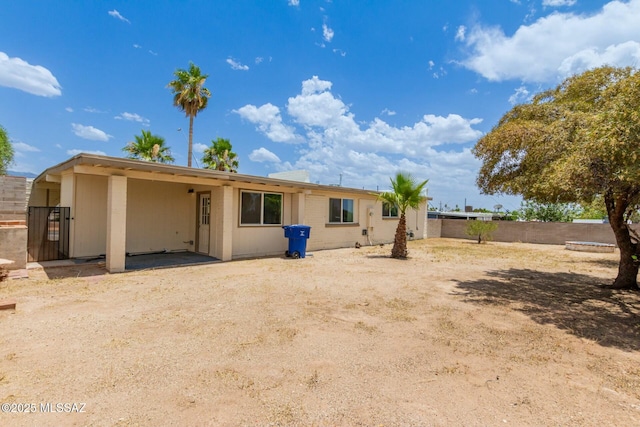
x: 21, y: 147
x: 333, y: 143
x: 558, y: 3
x: 520, y: 95
x: 388, y: 112
x: 263, y: 155
x: 132, y: 117
x: 76, y: 151
x: 236, y: 65
x: 117, y: 15
x: 327, y: 33
x: 557, y: 45
x: 199, y: 148
x: 269, y: 121
x: 34, y: 79
x: 89, y: 132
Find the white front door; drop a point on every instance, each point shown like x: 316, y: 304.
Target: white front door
x: 204, y: 218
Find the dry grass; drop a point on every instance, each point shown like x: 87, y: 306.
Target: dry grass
x: 459, y: 334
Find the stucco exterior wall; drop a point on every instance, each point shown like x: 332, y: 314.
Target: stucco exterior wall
x: 158, y: 216
x: 259, y: 240
x: 89, y: 216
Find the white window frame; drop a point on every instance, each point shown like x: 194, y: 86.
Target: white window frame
x: 390, y: 215
x: 342, y: 221
x: 262, y: 195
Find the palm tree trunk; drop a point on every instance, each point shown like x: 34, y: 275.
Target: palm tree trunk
x: 400, y: 242
x: 190, y: 140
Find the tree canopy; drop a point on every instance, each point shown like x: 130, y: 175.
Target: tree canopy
x: 148, y: 147
x: 407, y: 193
x: 573, y: 144
x: 6, y: 151
x: 190, y: 96
x: 220, y: 157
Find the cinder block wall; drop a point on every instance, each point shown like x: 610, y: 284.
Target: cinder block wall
x: 13, y: 246
x: 13, y: 198
x: 553, y: 233
x: 434, y: 228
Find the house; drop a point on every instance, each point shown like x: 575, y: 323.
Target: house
x: 121, y: 206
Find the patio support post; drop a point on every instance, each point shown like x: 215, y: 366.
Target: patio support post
x: 297, y: 205
x: 227, y: 224
x: 116, y: 223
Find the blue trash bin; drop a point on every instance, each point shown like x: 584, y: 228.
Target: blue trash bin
x: 298, y: 235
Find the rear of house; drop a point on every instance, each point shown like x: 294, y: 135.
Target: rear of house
x: 122, y: 206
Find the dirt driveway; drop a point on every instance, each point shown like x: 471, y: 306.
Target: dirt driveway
x: 460, y: 334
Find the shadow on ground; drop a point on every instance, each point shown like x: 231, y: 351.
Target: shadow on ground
x: 576, y: 303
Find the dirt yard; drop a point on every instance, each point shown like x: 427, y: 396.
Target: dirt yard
x: 460, y: 334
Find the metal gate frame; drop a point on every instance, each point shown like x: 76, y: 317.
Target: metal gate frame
x: 48, y: 233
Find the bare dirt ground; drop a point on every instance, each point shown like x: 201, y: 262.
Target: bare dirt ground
x: 459, y: 334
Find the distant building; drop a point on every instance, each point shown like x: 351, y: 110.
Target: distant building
x: 298, y: 176
x: 483, y: 216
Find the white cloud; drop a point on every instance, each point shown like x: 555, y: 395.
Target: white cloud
x: 263, y: 155
x: 269, y: 121
x: 199, y: 148
x: 34, y: 79
x: 558, y: 3
x: 332, y: 142
x: 520, y: 95
x: 327, y: 33
x: 388, y: 112
x: 153, y: 53
x: 259, y: 59
x: 431, y: 64
x: 294, y: 2
x: 69, y: 109
x: 76, y: 151
x: 137, y: 46
x: 117, y: 15
x: 132, y: 117
x: 23, y: 147
x: 340, y: 52
x: 89, y: 132
x: 92, y: 110
x: 557, y: 45
x: 460, y: 34
x: 236, y: 65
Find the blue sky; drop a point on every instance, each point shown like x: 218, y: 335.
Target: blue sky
x: 351, y: 91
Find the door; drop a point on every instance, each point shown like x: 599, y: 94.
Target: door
x: 48, y: 233
x: 204, y: 218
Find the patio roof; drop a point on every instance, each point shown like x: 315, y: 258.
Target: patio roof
x: 75, y: 163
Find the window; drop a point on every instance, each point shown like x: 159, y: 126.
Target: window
x: 341, y: 210
x: 260, y: 208
x: 389, y: 211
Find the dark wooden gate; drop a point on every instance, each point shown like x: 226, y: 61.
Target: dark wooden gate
x: 48, y: 234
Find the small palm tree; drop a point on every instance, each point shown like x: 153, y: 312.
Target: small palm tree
x: 149, y: 147
x: 406, y: 194
x: 190, y: 96
x: 220, y: 157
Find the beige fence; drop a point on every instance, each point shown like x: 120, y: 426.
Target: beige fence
x: 552, y: 233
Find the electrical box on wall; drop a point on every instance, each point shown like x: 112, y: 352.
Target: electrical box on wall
x: 364, y: 231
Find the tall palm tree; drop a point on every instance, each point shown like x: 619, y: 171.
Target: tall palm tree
x: 407, y: 193
x: 149, y: 147
x: 190, y: 96
x: 220, y: 157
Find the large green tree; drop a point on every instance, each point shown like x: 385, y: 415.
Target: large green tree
x: 220, y: 157
x: 148, y: 147
x: 6, y: 151
x: 407, y: 193
x: 572, y: 144
x: 190, y: 96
